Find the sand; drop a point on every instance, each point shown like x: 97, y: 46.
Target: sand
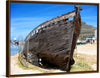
x: 90, y: 49
x: 15, y: 69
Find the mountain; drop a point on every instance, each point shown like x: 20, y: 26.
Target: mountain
x: 86, y: 29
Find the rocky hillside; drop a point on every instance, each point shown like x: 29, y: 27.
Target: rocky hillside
x: 87, y: 28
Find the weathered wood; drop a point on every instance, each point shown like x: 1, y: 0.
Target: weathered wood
x: 77, y: 20
x: 54, y: 20
x: 53, y: 45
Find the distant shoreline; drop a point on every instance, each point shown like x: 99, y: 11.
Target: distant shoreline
x: 14, y: 55
x: 13, y: 50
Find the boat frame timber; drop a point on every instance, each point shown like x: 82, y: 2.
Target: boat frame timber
x: 77, y: 20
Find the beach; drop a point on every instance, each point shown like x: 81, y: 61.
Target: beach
x: 90, y: 49
x: 15, y: 69
x: 88, y: 52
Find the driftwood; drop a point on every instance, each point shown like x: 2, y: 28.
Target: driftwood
x: 54, y: 44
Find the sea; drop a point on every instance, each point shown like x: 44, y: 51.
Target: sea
x: 14, y: 49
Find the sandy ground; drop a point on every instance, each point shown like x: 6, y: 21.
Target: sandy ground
x: 15, y: 69
x: 90, y: 49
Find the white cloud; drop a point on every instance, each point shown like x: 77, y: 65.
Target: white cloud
x: 22, y: 26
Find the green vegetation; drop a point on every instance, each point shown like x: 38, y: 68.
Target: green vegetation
x: 83, y: 62
x: 30, y: 66
x: 83, y: 38
x: 81, y: 67
x: 20, y: 64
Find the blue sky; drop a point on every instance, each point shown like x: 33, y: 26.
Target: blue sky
x: 24, y: 17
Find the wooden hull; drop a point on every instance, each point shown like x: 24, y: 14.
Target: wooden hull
x: 54, y: 45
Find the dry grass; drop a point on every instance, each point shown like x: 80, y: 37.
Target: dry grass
x: 84, y: 62
x: 30, y: 66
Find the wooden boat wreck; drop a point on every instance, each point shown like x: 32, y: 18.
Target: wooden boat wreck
x: 53, y: 42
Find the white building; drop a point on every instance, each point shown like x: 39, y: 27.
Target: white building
x: 95, y: 33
